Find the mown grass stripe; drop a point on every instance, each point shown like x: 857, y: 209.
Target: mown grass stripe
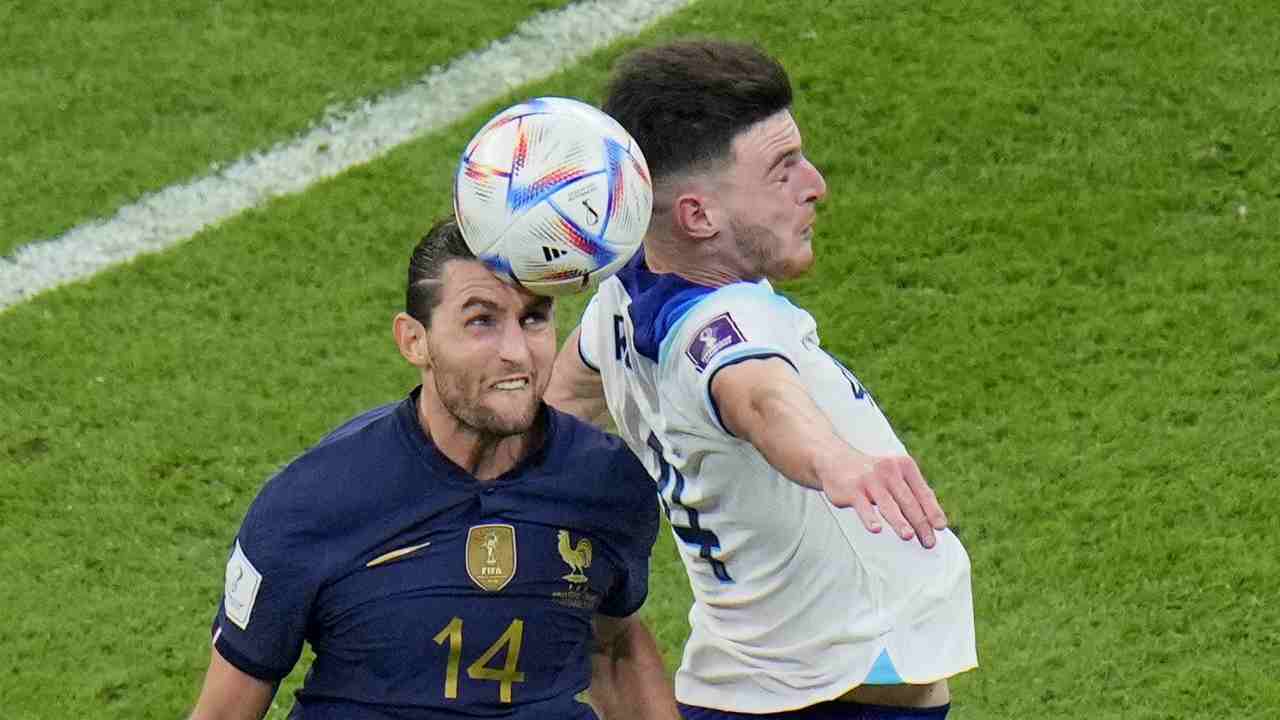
x: 538, y: 47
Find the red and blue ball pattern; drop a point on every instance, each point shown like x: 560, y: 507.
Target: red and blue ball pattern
x: 554, y: 194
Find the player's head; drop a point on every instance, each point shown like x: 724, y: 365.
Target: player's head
x: 713, y: 119
x: 484, y: 346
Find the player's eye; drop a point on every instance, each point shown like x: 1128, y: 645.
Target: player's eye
x: 784, y: 169
x: 480, y: 321
x: 536, y: 317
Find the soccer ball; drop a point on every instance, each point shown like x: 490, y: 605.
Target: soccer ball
x: 554, y: 194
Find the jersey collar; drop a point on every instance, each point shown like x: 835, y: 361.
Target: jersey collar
x: 658, y: 301
x: 548, y: 418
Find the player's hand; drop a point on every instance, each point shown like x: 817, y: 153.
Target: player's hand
x: 892, y: 485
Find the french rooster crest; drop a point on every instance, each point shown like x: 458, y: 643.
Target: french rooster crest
x: 578, y: 557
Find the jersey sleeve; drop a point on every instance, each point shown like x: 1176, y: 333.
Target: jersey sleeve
x: 637, y: 529
x: 269, y: 587
x: 736, y: 323
x: 589, y: 335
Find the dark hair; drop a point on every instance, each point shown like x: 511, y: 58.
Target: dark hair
x: 686, y: 101
x: 442, y: 243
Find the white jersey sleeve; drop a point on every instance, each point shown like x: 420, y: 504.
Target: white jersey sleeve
x: 734, y: 324
x: 590, y: 337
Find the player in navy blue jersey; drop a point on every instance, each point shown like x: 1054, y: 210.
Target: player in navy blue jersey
x: 465, y: 552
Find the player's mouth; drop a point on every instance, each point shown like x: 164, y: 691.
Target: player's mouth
x: 519, y: 383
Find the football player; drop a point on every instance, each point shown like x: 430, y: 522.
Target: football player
x: 776, y: 467
x: 465, y: 552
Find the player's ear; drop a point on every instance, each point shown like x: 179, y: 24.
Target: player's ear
x: 694, y: 216
x: 411, y: 339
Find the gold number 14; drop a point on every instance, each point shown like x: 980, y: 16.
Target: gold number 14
x: 480, y: 670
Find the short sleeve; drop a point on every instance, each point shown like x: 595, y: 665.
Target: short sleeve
x: 736, y: 323
x: 637, y: 531
x: 589, y: 335
x: 268, y: 591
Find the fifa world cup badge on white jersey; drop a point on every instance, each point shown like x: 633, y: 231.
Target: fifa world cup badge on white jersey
x: 719, y: 333
x: 243, y: 581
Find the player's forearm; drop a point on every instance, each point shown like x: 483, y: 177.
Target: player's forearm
x: 793, y: 434
x: 628, y: 679
x: 575, y: 388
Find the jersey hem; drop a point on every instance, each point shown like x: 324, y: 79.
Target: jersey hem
x: 245, y: 665
x: 815, y: 701
x: 628, y: 613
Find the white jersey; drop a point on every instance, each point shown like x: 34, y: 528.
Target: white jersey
x: 795, y: 602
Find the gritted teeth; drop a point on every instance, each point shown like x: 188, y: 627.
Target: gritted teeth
x: 516, y: 384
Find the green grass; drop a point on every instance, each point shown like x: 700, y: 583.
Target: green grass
x: 105, y: 102
x: 1033, y: 253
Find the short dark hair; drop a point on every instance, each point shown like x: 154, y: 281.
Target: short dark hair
x: 442, y: 243
x: 685, y: 102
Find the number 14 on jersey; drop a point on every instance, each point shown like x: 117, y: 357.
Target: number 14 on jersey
x: 512, y: 639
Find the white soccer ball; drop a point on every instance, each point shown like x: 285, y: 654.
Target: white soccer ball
x: 554, y: 194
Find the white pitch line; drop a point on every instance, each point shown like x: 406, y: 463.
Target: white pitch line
x: 539, y: 46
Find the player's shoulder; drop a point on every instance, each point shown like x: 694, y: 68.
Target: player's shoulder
x: 599, y: 481
x: 747, y: 302
x: 586, y: 451
x: 739, y: 317
x: 664, y: 306
x: 328, y: 480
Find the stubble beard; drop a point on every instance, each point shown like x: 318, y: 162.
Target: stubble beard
x: 484, y: 421
x: 761, y: 248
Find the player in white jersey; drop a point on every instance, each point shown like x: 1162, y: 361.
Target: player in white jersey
x: 775, y: 465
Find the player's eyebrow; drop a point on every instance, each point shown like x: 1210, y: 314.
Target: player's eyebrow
x: 480, y: 302
x: 475, y: 301
x: 539, y: 303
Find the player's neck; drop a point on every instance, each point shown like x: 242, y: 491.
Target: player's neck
x: 700, y: 271
x: 484, y: 456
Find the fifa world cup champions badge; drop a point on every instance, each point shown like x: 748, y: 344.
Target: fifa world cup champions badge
x: 491, y: 556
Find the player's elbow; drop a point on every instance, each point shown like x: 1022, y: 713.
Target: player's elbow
x: 559, y: 396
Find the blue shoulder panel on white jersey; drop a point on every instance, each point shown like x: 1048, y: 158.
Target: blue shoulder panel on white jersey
x: 658, y: 301
x: 746, y: 300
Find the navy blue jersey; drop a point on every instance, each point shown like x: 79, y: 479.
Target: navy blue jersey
x: 426, y: 594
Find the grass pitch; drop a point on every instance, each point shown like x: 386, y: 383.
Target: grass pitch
x: 1050, y: 250
x: 108, y: 101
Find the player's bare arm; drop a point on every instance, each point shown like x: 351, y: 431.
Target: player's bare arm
x: 575, y: 388
x: 763, y: 402
x: 627, y: 677
x: 231, y: 694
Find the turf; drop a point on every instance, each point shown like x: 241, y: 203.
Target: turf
x: 1050, y: 250
x: 105, y: 102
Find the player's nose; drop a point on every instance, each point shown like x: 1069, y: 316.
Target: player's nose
x: 513, y: 345
x: 816, y: 188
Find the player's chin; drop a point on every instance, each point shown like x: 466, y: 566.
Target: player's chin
x: 512, y: 413
x: 794, y: 265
